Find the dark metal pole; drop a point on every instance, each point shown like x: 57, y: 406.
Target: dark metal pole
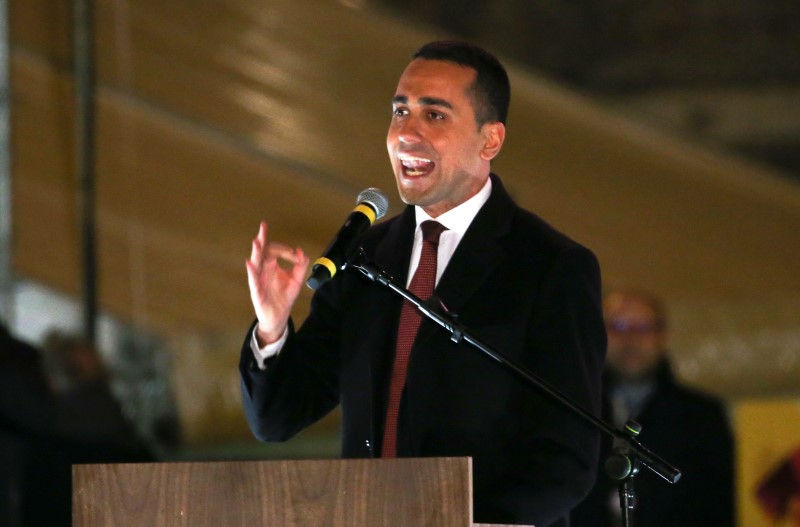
x: 83, y: 37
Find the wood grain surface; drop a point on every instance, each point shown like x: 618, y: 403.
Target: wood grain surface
x: 336, y: 493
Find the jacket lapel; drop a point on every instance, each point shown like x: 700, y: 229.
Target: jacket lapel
x: 394, y: 251
x: 479, y: 252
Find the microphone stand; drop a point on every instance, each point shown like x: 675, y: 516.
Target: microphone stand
x: 625, y: 461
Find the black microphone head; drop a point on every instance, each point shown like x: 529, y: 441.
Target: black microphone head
x: 376, y: 199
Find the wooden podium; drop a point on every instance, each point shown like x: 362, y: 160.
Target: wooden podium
x: 420, y: 492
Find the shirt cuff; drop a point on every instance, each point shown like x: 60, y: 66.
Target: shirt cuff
x: 270, y: 350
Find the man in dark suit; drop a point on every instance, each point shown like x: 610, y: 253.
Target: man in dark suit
x: 521, y: 286
x: 686, y: 427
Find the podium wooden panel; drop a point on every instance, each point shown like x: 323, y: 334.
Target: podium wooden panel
x: 432, y: 492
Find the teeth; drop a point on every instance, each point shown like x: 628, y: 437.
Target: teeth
x: 409, y: 161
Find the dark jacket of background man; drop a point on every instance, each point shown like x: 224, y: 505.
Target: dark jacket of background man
x: 685, y: 426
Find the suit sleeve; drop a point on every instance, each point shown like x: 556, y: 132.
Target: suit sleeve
x: 301, y: 384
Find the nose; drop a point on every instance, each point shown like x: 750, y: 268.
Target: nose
x: 408, y: 131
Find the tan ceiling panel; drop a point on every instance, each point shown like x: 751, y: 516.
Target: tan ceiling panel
x: 213, y: 115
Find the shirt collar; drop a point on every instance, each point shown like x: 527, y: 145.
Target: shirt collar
x: 459, y: 218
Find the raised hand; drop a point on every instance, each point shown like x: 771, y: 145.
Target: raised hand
x: 275, y: 274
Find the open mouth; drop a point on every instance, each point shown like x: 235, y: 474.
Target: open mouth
x: 414, y: 166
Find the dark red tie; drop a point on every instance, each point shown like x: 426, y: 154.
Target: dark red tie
x: 410, y: 318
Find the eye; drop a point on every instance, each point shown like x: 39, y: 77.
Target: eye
x: 399, y: 112
x: 436, y: 116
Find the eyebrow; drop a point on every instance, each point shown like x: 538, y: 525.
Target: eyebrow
x: 424, y: 101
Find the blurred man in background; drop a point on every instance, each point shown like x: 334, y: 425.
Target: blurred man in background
x: 49, y: 423
x: 27, y: 413
x: 88, y: 410
x: 687, y: 428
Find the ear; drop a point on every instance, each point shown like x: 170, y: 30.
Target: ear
x: 493, y: 136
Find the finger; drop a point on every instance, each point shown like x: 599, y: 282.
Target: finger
x: 301, y: 256
x: 283, y: 252
x: 252, y: 280
x: 259, y: 242
x: 252, y: 283
x: 250, y: 268
x: 300, y: 266
x: 263, y: 229
x: 253, y: 273
x: 256, y: 253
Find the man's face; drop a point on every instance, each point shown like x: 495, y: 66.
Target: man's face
x: 439, y: 155
x: 636, y: 340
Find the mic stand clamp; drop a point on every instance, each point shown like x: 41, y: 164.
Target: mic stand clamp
x: 622, y: 466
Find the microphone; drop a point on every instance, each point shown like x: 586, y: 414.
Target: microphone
x: 371, y: 205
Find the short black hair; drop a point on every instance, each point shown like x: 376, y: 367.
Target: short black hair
x: 491, y: 90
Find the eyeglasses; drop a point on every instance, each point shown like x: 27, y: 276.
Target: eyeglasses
x: 633, y: 327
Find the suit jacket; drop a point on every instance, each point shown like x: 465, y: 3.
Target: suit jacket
x: 690, y: 430
x: 520, y: 286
